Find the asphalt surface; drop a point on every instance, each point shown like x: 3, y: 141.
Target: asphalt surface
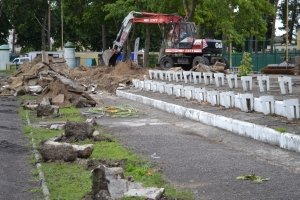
x: 16, y: 181
x: 204, y: 159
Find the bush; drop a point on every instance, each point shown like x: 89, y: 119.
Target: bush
x: 245, y: 67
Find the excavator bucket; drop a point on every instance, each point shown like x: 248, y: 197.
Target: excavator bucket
x: 107, y: 56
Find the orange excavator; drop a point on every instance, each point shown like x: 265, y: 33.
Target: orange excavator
x: 181, y: 45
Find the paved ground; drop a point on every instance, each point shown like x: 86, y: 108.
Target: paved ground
x: 16, y: 181
x: 205, y: 159
x: 271, y: 121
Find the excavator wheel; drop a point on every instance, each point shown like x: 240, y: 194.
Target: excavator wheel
x: 200, y: 59
x: 166, y: 62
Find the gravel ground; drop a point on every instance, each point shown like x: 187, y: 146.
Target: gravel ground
x: 205, y: 159
x: 16, y: 180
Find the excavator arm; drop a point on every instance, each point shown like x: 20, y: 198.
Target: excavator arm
x: 110, y: 56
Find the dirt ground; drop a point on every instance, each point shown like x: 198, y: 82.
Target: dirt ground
x: 108, y: 78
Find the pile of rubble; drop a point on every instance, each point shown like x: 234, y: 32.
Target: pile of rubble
x: 51, y: 78
x: 47, y: 77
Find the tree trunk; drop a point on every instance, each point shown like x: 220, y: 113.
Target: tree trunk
x: 147, y: 47
x: 13, y: 40
x: 273, y: 25
x: 189, y: 10
x: 103, y: 37
x: 43, y: 33
x: 49, y: 27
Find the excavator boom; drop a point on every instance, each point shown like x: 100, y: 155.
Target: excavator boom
x: 110, y: 56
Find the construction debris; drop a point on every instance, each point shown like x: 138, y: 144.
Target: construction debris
x: 51, y: 151
x: 109, y: 183
x: 115, y: 111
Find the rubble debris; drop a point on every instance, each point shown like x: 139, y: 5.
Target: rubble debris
x: 115, y: 111
x: 76, y: 131
x: 51, y: 151
x: 46, y: 110
x: 112, y: 183
x: 83, y: 151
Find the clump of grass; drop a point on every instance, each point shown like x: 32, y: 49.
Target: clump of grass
x: 281, y: 129
x: 67, y: 180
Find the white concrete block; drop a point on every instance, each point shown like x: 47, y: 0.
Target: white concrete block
x: 197, y: 76
x: 179, y: 110
x: 162, y: 75
x: 156, y: 74
x: 147, y: 85
x: 263, y: 83
x: 232, y: 80
x: 246, y: 102
x: 219, y: 79
x: 227, y: 99
x: 267, y: 104
x: 161, y: 87
x: 170, y: 108
x: 142, y: 85
x: 178, y: 76
x: 188, y: 92
x: 285, y: 84
x: 178, y: 90
x: 290, y: 141
x: 170, y: 76
x: 151, y: 73
x: 135, y: 83
x: 223, y: 122
x: 159, y: 104
x: 208, y: 78
x: 200, y: 94
x: 187, y: 76
x: 213, y: 97
x: 291, y: 108
x: 169, y: 88
x: 153, y: 86
x: 207, y: 118
x: 246, y: 83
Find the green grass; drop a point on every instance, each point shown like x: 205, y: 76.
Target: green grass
x: 281, y: 129
x: 64, y: 179
x: 67, y: 181
x: 9, y: 71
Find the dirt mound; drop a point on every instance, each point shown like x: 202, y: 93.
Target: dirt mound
x: 108, y: 78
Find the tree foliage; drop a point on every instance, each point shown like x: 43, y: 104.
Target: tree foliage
x: 94, y: 24
x: 294, y: 12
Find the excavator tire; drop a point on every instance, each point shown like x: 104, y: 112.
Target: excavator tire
x: 166, y: 62
x: 200, y: 59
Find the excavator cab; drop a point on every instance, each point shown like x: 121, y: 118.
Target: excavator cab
x: 181, y: 35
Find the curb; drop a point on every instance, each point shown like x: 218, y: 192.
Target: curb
x: 258, y: 132
x: 37, y: 157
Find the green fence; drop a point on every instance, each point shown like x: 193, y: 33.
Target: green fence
x: 262, y: 59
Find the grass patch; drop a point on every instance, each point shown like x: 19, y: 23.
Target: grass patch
x: 281, y: 129
x: 70, y: 181
x: 67, y: 181
x: 10, y: 71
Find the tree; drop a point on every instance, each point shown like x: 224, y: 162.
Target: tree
x: 294, y: 11
x: 236, y: 19
x: 30, y: 25
x: 4, y: 25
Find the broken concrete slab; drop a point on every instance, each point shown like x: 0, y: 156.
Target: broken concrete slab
x: 46, y: 110
x: 51, y: 151
x: 147, y: 193
x: 59, y: 99
x: 75, y: 131
x: 83, y: 151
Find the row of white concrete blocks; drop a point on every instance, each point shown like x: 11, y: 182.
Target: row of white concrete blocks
x: 245, y: 102
x: 255, y: 131
x: 285, y: 82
